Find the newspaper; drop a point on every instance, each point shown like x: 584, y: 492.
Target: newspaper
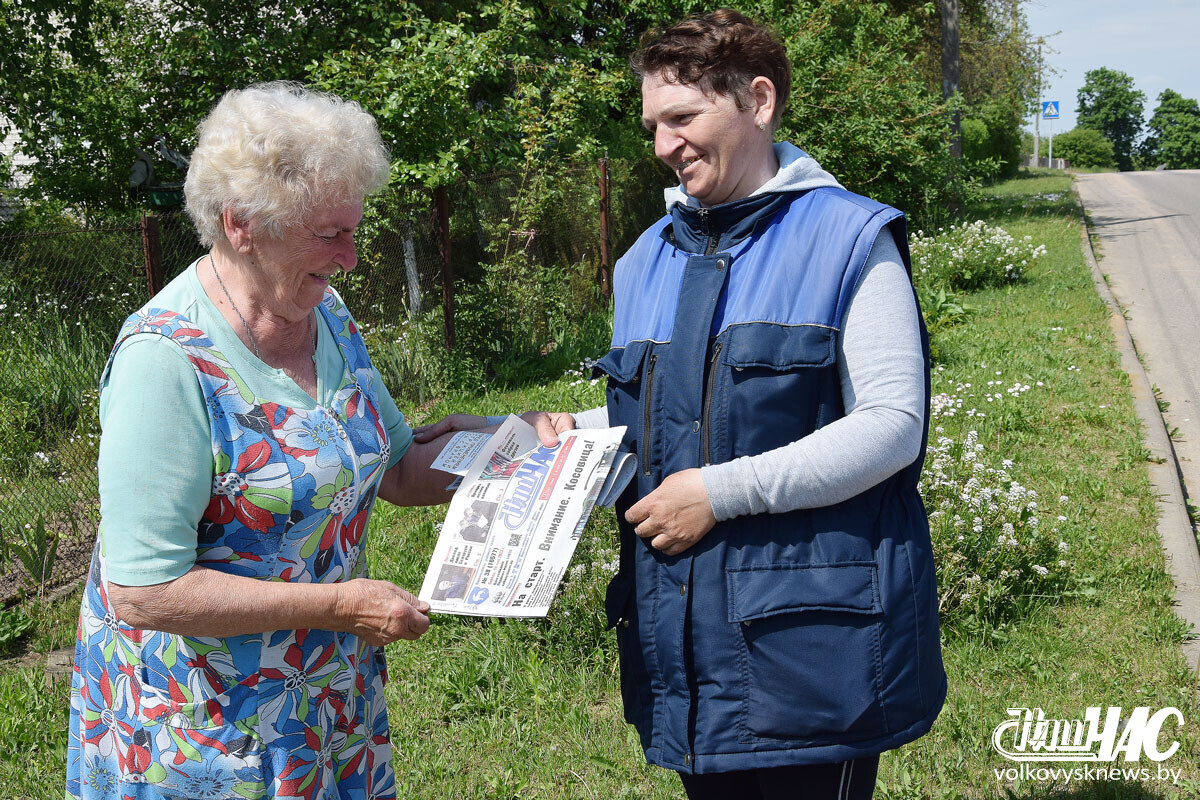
x: 514, y: 521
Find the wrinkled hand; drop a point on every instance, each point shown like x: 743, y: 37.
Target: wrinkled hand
x: 549, y: 424
x: 380, y: 611
x: 453, y: 422
x: 674, y: 516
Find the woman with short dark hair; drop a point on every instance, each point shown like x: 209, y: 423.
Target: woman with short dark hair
x: 775, y: 607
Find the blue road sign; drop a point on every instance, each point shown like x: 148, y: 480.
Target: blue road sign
x: 1050, y: 109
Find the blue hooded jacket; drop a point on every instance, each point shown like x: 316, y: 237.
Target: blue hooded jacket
x: 796, y: 638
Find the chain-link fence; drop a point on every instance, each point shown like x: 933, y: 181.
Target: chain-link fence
x: 492, y: 272
x: 62, y: 297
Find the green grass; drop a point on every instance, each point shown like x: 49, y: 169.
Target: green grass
x: 1112, y: 638
x: 530, y: 709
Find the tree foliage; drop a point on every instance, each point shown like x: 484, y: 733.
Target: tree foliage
x: 1086, y: 148
x: 87, y: 81
x: 509, y: 84
x: 1109, y: 103
x: 1173, y: 135
x: 467, y: 87
x: 860, y: 105
x: 998, y: 62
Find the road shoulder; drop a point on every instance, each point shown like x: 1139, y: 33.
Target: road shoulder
x: 1174, y: 525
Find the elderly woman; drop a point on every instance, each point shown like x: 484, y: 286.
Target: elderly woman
x: 775, y: 606
x: 230, y: 642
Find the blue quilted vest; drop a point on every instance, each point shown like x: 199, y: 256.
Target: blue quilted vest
x: 797, y: 638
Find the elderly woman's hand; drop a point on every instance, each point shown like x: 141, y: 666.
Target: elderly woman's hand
x: 676, y: 515
x: 380, y: 611
x: 452, y: 422
x: 547, y: 424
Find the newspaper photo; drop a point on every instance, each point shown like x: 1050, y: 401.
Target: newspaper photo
x: 517, y: 515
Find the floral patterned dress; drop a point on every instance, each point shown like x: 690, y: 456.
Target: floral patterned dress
x: 281, y: 714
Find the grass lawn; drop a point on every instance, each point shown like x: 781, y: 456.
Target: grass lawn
x: 530, y: 709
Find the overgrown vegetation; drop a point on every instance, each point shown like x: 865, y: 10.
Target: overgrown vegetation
x: 1030, y: 385
x: 972, y: 255
x: 467, y: 88
x: 1085, y: 148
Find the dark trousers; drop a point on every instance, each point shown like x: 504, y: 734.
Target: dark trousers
x: 845, y: 780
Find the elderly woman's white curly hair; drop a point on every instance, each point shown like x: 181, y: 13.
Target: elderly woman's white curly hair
x: 273, y: 152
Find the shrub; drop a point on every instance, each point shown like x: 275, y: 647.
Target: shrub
x: 1085, y: 148
x: 975, y: 142
x: 992, y: 133
x: 971, y: 256
x: 992, y: 550
x: 941, y: 311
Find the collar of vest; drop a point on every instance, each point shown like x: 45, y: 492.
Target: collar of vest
x: 713, y: 228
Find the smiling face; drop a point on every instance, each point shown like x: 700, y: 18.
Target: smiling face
x: 294, y: 270
x: 718, y: 151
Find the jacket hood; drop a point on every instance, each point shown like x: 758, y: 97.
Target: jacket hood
x: 798, y: 172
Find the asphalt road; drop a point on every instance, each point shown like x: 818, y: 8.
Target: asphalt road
x: 1148, y: 229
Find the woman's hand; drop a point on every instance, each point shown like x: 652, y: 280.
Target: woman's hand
x: 547, y: 424
x: 453, y: 422
x: 380, y: 611
x: 674, y: 516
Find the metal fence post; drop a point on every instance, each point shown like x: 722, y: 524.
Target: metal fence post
x: 605, y: 258
x: 442, y: 212
x: 152, y: 254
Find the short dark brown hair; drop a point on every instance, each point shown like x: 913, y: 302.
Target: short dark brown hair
x: 722, y: 51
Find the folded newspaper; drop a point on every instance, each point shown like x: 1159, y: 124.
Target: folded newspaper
x: 517, y: 515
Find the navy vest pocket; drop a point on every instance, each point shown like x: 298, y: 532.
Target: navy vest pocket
x: 630, y: 396
x: 808, y: 651
x: 783, y: 378
x: 780, y: 347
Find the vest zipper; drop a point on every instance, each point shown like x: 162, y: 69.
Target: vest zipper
x: 711, y: 246
x: 646, y: 401
x: 708, y: 395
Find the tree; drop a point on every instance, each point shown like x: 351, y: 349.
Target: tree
x: 456, y: 86
x: 860, y: 103
x: 950, y: 70
x: 1173, y: 136
x: 997, y: 63
x: 1109, y: 103
x: 87, y: 81
x: 1085, y: 148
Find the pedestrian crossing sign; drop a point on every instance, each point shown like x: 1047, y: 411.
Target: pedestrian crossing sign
x: 1050, y: 109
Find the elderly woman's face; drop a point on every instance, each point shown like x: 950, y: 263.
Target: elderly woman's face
x: 296, y: 268
x: 714, y: 147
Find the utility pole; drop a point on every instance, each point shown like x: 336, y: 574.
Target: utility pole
x: 1050, y: 145
x: 1037, y: 114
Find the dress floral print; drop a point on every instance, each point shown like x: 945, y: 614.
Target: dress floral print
x: 282, y: 714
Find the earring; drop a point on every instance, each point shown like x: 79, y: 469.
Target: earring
x: 762, y: 126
